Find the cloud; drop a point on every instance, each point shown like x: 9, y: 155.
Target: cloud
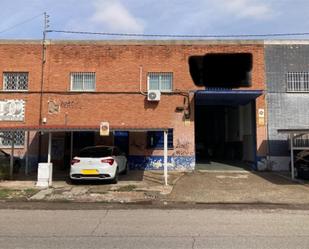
x: 115, y: 17
x: 247, y: 8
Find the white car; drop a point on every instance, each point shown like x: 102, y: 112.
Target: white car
x: 98, y: 163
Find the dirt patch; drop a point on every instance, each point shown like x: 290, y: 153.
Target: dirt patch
x: 126, y: 188
x: 6, y: 193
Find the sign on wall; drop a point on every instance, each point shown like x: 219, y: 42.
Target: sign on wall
x: 261, y: 113
x: 104, y: 129
x: 12, y: 110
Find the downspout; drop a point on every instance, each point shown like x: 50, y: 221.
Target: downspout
x: 141, y: 81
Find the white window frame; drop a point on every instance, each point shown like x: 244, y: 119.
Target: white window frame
x: 160, y: 74
x: 297, y: 82
x: 82, y: 74
x: 2, y: 135
x: 14, y: 90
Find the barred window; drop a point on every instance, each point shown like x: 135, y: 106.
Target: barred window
x: 160, y: 81
x: 6, y: 142
x: 83, y: 81
x: 301, y: 141
x: 297, y: 81
x: 15, y: 81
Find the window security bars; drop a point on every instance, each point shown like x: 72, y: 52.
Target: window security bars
x: 15, y: 81
x: 301, y: 141
x: 83, y: 81
x: 160, y: 81
x: 6, y: 142
x: 297, y: 81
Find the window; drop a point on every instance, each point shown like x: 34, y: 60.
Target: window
x: 160, y: 81
x: 155, y: 139
x: 82, y: 81
x: 297, y: 82
x: 301, y: 141
x: 15, y: 81
x: 96, y: 152
x: 19, y: 139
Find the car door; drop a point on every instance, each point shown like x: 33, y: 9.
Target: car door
x: 120, y: 159
x: 123, y: 159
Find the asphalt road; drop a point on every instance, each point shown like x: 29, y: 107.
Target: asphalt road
x: 154, y: 228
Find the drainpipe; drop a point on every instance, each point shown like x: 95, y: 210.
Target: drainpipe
x: 141, y: 81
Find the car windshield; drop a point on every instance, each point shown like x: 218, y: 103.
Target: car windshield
x: 96, y: 152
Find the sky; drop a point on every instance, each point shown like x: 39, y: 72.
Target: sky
x: 23, y: 19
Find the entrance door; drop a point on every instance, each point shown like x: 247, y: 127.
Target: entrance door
x: 225, y: 131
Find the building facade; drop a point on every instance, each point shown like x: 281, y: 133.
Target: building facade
x: 70, y: 87
x: 287, y: 78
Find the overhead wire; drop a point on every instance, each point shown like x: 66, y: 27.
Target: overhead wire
x: 178, y: 35
x: 21, y: 23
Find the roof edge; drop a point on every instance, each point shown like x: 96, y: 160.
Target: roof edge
x: 138, y: 42
x: 286, y: 42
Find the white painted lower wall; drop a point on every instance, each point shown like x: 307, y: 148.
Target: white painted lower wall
x: 279, y: 163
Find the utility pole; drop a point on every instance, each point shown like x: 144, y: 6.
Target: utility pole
x: 45, y: 27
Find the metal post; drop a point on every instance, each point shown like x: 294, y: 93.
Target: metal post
x: 292, y: 156
x: 27, y: 154
x: 49, y: 147
x: 71, y: 147
x: 12, y: 157
x: 165, y: 157
x: 49, y: 159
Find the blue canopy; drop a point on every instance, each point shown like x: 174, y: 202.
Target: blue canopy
x: 226, y: 97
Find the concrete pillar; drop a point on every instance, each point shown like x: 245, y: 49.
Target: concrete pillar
x: 12, y: 157
x: 165, y: 157
x: 292, y: 156
x: 27, y: 154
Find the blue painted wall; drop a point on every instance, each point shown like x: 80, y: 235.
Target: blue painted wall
x: 157, y: 162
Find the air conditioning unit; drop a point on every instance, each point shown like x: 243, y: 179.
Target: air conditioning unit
x: 153, y: 95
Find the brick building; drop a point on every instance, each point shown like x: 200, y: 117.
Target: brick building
x: 211, y: 99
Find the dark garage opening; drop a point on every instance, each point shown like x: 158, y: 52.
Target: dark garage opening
x: 225, y: 129
x: 221, y: 70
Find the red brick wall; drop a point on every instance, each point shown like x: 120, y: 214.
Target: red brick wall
x: 117, y: 67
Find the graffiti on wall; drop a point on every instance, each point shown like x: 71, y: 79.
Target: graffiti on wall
x: 12, y: 110
x: 53, y: 107
x: 182, y: 148
x: 69, y: 104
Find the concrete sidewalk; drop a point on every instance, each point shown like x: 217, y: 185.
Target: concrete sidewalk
x: 209, y: 187
x: 240, y: 187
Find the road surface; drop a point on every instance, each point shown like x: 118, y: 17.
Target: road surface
x: 154, y: 228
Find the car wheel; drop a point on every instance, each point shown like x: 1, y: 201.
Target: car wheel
x: 115, y: 179
x: 73, y: 181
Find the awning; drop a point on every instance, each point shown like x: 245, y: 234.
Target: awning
x: 294, y: 131
x: 64, y: 128
x: 226, y: 97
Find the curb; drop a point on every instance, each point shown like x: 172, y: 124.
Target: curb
x: 66, y: 205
